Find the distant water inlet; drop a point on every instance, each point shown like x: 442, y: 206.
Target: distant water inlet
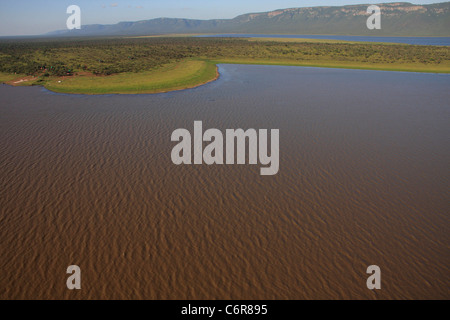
x: 89, y: 181
x: 426, y: 41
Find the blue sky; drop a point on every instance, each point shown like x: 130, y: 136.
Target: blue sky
x: 29, y: 17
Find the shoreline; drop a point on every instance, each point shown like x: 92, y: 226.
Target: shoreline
x: 22, y: 80
x: 167, y: 90
x: 187, y: 74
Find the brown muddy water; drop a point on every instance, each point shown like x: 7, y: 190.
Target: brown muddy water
x: 364, y: 180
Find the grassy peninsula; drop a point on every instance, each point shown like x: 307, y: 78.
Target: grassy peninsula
x: 160, y: 64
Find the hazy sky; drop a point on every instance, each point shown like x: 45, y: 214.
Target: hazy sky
x: 29, y: 17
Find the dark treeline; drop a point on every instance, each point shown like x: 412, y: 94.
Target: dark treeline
x: 110, y: 56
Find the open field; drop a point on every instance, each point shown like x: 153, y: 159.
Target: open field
x: 6, y: 77
x: 404, y: 67
x: 159, y: 64
x: 175, y: 76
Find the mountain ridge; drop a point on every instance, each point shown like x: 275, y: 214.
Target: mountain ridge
x: 397, y: 19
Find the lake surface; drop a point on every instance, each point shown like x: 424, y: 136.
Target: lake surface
x: 364, y: 180
x: 429, y: 41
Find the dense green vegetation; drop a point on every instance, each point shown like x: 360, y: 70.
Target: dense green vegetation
x: 105, y: 57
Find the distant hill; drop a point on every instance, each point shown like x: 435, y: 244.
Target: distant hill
x: 398, y: 19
